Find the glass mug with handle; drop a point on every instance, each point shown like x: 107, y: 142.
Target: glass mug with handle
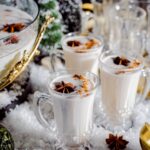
x: 82, y: 51
x: 120, y: 75
x: 72, y: 97
x: 126, y: 27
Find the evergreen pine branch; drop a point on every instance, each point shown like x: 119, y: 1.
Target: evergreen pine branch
x: 49, y: 5
x: 53, y: 33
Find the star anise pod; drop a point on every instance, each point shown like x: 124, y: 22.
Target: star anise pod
x: 116, y: 142
x: 121, y: 61
x: 11, y: 40
x: 63, y: 87
x: 14, y: 27
x: 73, y: 43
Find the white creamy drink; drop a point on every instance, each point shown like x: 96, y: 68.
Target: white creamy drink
x: 16, y: 35
x: 119, y: 78
x: 81, y: 52
x: 73, y: 107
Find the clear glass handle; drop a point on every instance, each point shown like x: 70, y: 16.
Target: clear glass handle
x: 42, y: 98
x: 146, y: 75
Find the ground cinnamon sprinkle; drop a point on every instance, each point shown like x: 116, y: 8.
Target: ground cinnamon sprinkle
x: 121, y: 72
x: 84, y: 88
x: 91, y: 43
x: 83, y: 47
x: 135, y: 63
x: 14, y: 27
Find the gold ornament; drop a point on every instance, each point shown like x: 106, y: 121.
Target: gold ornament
x: 145, y: 137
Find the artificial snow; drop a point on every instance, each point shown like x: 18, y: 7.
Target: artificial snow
x: 5, y: 99
x: 28, y: 133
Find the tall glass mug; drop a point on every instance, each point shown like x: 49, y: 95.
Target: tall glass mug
x: 144, y: 4
x: 120, y: 74
x: 126, y: 27
x: 82, y: 51
x: 72, y: 98
x: 101, y: 11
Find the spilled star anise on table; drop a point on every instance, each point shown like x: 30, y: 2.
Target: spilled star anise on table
x: 116, y: 142
x: 64, y: 87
